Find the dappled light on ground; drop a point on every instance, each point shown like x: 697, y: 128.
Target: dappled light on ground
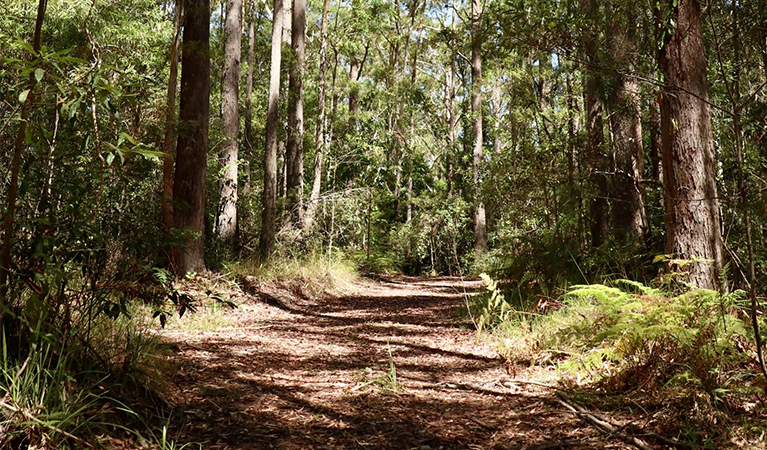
x: 388, y: 366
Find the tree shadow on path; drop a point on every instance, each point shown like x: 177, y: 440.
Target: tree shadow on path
x: 389, y: 368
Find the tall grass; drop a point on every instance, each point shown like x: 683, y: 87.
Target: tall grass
x: 314, y: 273
x: 55, y: 389
x: 43, y: 403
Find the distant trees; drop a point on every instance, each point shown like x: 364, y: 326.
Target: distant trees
x: 480, y: 220
x: 394, y: 99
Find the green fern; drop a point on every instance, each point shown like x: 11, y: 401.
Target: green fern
x: 602, y: 332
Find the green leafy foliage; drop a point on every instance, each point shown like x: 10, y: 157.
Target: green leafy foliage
x: 628, y: 336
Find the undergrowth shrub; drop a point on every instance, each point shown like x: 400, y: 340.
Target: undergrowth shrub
x: 628, y: 337
x: 541, y: 262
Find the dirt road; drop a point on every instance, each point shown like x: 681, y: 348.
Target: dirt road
x: 388, y: 366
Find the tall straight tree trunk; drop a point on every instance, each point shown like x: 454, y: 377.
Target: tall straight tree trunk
x: 450, y: 121
x: 282, y: 144
x: 192, y: 146
x: 401, y: 142
x: 628, y: 209
x: 689, y: 168
x: 496, y: 102
x: 599, y: 207
x: 452, y: 118
x: 269, y: 216
x: 13, y: 188
x: 295, y: 149
x: 354, y: 92
x: 656, y: 144
x: 226, y: 223
x: 170, y: 116
x: 243, y: 200
x: 249, y: 96
x: 411, y: 132
x: 629, y: 220
x: 321, y: 125
x: 480, y: 221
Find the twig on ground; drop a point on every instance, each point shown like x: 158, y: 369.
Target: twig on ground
x: 601, y: 424
x: 534, y: 383
x: 560, y: 444
x: 656, y: 436
x: 483, y: 424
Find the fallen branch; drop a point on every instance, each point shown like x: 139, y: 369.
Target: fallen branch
x: 483, y: 424
x: 534, y: 383
x: 656, y: 436
x: 601, y: 424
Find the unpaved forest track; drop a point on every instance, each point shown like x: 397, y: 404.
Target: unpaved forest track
x: 314, y: 376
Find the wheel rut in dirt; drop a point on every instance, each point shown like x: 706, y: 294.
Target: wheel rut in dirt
x: 389, y: 366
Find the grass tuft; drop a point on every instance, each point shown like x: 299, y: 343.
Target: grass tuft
x: 309, y: 276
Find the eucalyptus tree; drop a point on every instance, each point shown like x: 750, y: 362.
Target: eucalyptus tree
x: 689, y: 167
x: 226, y: 219
x: 599, y: 207
x: 480, y: 220
x: 321, y: 123
x: 170, y: 118
x: 189, y: 184
x: 249, y: 145
x: 269, y: 214
x: 294, y: 159
x: 623, y: 103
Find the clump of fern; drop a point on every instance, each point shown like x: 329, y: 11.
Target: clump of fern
x: 631, y: 337
x: 490, y: 308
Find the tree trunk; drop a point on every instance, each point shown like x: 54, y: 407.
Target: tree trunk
x: 354, y: 97
x: 452, y: 118
x: 192, y: 145
x: 170, y: 116
x: 295, y: 149
x: 13, y: 188
x: 629, y: 220
x: 226, y: 224
x: 248, y: 150
x: 480, y: 222
x: 689, y: 168
x: 496, y: 101
x: 656, y: 145
x: 269, y: 216
x: 321, y: 125
x: 597, y: 160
